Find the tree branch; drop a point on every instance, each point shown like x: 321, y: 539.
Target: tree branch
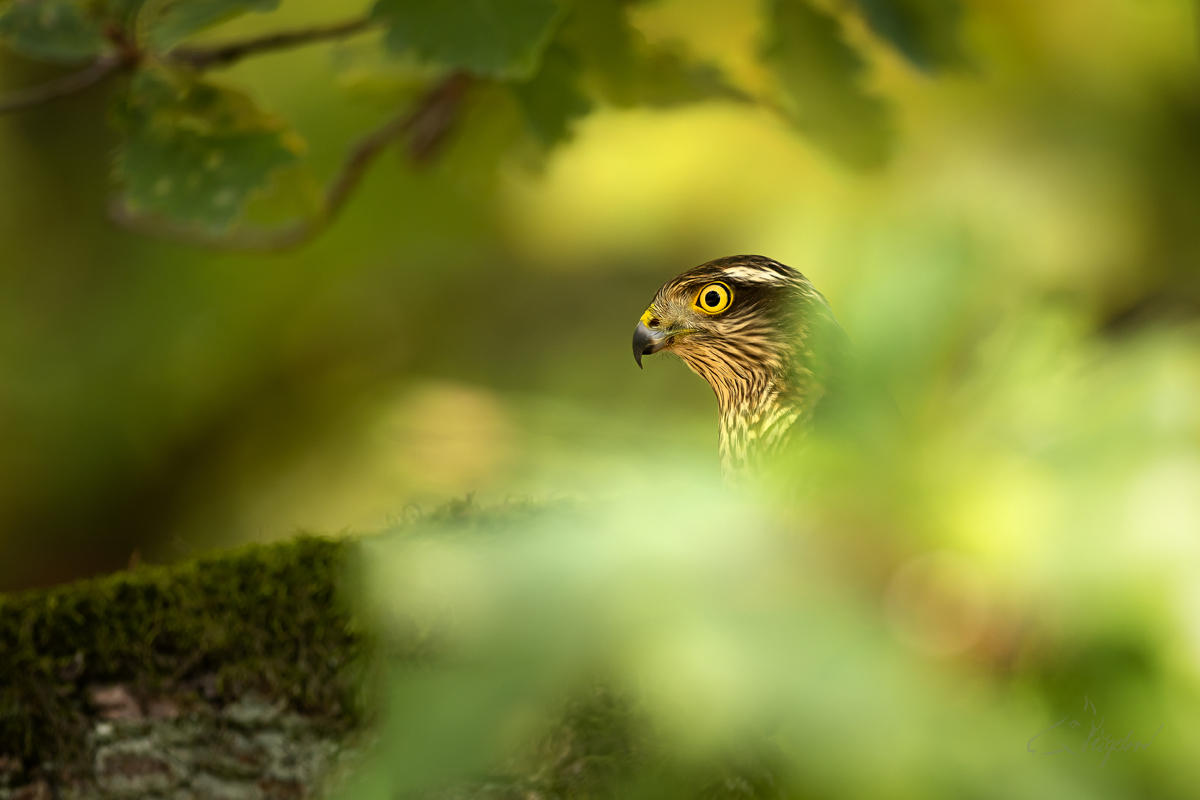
x: 67, y: 85
x: 202, y: 58
x: 426, y: 126
x: 197, y: 58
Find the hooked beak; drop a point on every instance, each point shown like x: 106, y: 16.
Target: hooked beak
x: 647, y: 341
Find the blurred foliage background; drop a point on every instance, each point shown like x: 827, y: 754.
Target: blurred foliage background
x: 999, y: 200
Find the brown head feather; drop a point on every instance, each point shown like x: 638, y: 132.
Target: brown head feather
x: 758, y: 354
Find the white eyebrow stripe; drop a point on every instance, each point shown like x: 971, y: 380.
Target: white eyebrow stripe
x: 751, y: 275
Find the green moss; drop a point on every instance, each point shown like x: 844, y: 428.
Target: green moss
x: 265, y: 617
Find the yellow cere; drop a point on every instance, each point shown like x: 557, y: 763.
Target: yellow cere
x: 649, y: 315
x: 714, y: 298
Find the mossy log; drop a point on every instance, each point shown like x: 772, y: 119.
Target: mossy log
x: 263, y: 618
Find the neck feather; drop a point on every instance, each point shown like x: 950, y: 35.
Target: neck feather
x: 758, y: 406
x: 756, y: 419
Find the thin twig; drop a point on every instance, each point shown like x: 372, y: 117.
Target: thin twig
x: 67, y: 85
x: 426, y: 125
x: 437, y: 115
x: 197, y: 58
x: 202, y: 58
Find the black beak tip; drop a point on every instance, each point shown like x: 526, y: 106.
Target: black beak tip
x: 638, y: 358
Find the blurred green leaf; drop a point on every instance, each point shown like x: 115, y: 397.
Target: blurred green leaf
x: 925, y: 31
x: 120, y: 12
x: 552, y: 100
x: 498, y: 38
x: 627, y: 70
x: 713, y: 623
x: 292, y: 193
x: 53, y: 30
x: 178, y: 19
x: 601, y: 34
x: 821, y: 77
x: 492, y: 126
x: 195, y: 152
x: 669, y: 78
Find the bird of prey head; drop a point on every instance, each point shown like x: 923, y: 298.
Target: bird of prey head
x: 762, y: 337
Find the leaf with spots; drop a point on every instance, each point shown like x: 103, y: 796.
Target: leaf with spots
x: 195, y: 152
x: 175, y: 20
x: 496, y: 38
x: 51, y: 30
x: 821, y: 77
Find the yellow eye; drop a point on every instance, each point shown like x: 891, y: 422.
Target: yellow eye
x: 714, y: 298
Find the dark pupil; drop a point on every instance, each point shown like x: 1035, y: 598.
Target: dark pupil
x: 712, y: 298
